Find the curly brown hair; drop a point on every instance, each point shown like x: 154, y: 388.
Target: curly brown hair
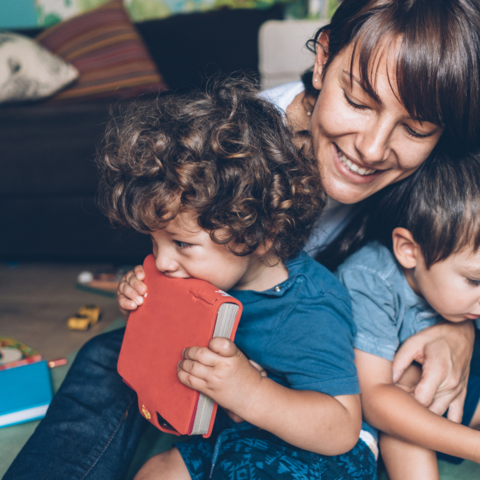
x: 224, y: 153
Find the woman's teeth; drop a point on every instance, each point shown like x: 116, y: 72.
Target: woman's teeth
x: 353, y: 167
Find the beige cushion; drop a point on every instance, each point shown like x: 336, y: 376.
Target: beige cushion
x: 30, y: 72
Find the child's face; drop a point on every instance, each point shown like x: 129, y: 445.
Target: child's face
x: 184, y: 250
x: 452, y: 286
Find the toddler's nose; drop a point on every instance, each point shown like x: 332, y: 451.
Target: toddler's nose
x: 165, y: 263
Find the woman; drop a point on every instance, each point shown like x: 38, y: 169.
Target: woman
x: 391, y: 80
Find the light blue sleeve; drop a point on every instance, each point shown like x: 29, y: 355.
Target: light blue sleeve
x: 374, y: 309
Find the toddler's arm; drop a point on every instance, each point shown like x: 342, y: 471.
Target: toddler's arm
x: 395, y: 412
x: 310, y: 420
x: 131, y: 290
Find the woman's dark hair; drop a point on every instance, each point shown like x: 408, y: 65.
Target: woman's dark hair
x: 226, y: 154
x: 438, y: 60
x: 439, y: 205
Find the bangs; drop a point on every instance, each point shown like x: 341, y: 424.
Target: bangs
x: 434, y: 46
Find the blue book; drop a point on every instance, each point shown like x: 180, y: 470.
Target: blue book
x: 26, y: 393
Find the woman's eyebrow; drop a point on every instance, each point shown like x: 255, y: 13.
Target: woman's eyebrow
x: 372, y: 95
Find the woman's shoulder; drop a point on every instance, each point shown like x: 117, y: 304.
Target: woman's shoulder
x: 283, y: 95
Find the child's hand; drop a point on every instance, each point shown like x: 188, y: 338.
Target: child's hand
x: 222, y: 372
x: 232, y: 415
x: 131, y: 290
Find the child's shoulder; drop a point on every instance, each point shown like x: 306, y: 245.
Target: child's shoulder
x: 319, y: 281
x: 373, y: 258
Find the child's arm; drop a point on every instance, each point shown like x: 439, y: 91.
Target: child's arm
x: 131, y: 290
x: 395, y: 412
x: 310, y: 420
x: 407, y: 461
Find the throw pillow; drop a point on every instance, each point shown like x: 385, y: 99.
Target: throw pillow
x: 108, y: 52
x: 28, y: 71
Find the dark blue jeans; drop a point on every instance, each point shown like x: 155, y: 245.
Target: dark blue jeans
x: 93, y: 426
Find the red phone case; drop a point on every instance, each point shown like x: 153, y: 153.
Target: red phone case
x: 176, y: 314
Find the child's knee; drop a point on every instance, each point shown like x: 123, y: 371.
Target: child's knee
x: 168, y: 465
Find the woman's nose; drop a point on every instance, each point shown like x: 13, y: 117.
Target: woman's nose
x: 373, y: 143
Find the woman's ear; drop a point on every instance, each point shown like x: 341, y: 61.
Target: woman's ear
x: 405, y: 248
x: 320, y: 59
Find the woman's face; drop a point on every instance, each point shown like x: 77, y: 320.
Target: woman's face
x: 363, y: 144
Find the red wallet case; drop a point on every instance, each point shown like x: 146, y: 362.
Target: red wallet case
x: 176, y: 313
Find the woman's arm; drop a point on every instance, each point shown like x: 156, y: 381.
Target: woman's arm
x: 395, y: 412
x: 444, y: 351
x: 310, y: 420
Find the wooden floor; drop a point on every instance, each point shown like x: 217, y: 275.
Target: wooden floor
x: 37, y: 299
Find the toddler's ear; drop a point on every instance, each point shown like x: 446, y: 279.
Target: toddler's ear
x: 405, y: 248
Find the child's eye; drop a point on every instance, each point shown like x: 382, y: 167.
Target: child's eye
x: 353, y: 104
x: 473, y: 282
x: 181, y: 244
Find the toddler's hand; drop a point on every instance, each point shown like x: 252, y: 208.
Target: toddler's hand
x: 131, y: 290
x: 222, y: 372
x: 263, y: 373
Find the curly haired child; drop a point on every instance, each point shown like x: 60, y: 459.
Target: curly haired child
x: 227, y: 195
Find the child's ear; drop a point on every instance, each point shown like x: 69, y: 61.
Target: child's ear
x: 405, y: 248
x: 264, y: 248
x: 320, y: 60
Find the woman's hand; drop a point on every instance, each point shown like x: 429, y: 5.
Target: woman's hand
x: 131, y: 290
x: 444, y: 351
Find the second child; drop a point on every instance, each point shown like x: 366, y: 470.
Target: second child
x: 422, y: 268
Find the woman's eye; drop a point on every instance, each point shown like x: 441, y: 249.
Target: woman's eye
x: 473, y: 282
x: 416, y: 134
x: 181, y: 244
x: 353, y: 104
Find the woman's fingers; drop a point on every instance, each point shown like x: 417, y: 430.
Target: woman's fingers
x: 455, y: 408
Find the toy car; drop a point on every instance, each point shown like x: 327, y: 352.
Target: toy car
x: 86, y: 317
x: 92, y: 311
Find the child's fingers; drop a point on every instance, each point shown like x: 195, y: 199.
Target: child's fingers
x: 191, y: 381
x: 126, y: 303
x: 195, y: 368
x: 139, y: 272
x: 137, y: 284
x: 129, y: 292
x: 202, y: 355
x: 224, y: 347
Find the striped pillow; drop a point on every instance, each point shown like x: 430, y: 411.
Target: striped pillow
x: 105, y: 48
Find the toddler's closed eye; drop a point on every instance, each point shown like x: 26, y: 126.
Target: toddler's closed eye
x: 181, y: 244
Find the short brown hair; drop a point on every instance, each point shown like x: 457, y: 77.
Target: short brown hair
x: 224, y: 153
x: 437, y: 64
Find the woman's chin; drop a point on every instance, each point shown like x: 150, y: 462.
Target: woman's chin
x: 348, y: 193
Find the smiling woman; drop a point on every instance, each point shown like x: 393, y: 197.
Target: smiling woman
x: 392, y: 79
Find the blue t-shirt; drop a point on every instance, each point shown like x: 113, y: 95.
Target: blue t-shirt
x: 301, y: 331
x: 386, y: 310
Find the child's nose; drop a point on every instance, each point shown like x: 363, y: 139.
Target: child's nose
x: 165, y: 263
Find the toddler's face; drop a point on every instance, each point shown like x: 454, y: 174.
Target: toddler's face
x: 452, y: 287
x: 184, y: 250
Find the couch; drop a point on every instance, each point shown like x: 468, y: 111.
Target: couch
x: 48, y: 176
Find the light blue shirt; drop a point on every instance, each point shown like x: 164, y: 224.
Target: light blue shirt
x: 386, y: 310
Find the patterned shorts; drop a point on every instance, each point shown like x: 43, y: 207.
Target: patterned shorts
x: 255, y: 454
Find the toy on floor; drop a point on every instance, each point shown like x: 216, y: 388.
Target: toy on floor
x: 87, y: 317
